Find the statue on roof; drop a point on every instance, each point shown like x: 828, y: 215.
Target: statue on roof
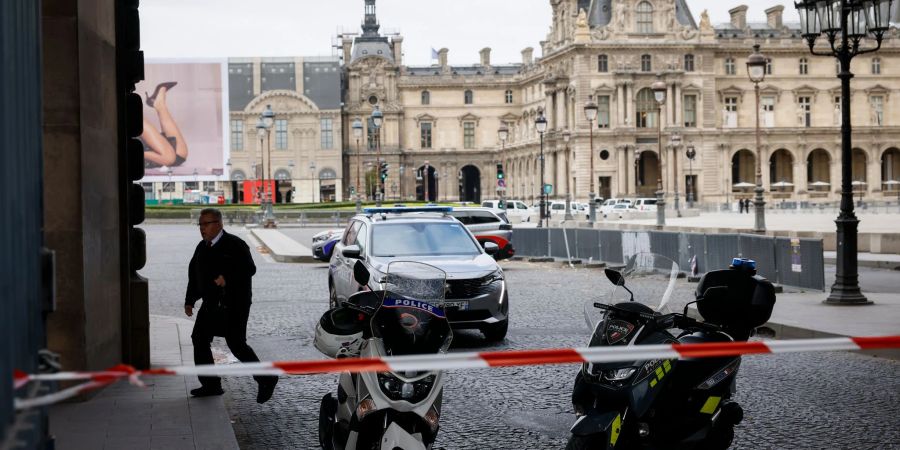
x: 621, y: 14
x: 704, y: 22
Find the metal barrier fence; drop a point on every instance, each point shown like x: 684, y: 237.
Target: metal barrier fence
x: 242, y: 217
x: 792, y: 262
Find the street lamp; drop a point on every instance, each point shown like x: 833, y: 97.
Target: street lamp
x: 266, y: 119
x: 637, y: 177
x: 566, y: 135
x: 425, y: 179
x: 659, y: 93
x: 377, y: 121
x: 675, y: 141
x: 590, y: 112
x: 312, y: 181
x: 691, y: 153
x: 845, y: 23
x: 503, y: 134
x: 541, y: 125
x: 291, y: 172
x: 401, y: 169
x: 756, y: 70
x: 357, y: 133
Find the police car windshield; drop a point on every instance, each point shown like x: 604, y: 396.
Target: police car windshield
x: 421, y: 239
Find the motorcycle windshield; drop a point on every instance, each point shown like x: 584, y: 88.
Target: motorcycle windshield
x: 647, y: 278
x: 411, y: 318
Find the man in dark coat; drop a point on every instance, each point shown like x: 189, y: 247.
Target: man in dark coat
x: 220, y: 274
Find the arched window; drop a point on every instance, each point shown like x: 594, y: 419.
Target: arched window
x: 426, y: 98
x: 644, y: 16
x: 646, y: 109
x: 238, y: 175
x: 688, y: 63
x: 467, y: 97
x: 646, y: 63
x: 603, y: 64
x: 327, y: 174
x: 509, y: 96
x: 282, y: 175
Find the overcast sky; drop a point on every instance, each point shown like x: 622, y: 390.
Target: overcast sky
x: 225, y: 28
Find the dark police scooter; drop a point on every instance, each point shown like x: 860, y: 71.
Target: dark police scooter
x: 670, y: 403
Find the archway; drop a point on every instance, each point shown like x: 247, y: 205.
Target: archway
x: 743, y: 171
x: 647, y: 174
x: 426, y: 183
x: 818, y: 170
x: 890, y: 170
x: 327, y: 185
x: 470, y: 184
x: 283, y: 186
x: 781, y: 171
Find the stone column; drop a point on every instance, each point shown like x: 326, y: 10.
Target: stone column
x: 620, y: 105
x: 800, y: 181
x: 873, y: 174
x: 835, y: 188
x: 627, y: 102
x: 679, y: 108
x: 766, y: 164
x: 670, y: 105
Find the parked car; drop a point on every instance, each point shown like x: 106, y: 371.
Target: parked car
x: 323, y: 243
x: 618, y: 210
x: 477, y: 296
x: 488, y: 226
x: 645, y: 204
x: 514, y: 209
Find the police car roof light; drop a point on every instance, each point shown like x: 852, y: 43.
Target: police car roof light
x: 431, y: 209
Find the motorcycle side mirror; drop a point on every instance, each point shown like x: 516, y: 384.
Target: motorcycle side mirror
x: 361, y: 274
x: 614, y: 276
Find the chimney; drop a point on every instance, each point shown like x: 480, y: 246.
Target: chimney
x: 397, y: 47
x: 527, y: 56
x: 773, y: 16
x: 347, y: 47
x: 485, y: 56
x: 442, y: 57
x: 739, y: 17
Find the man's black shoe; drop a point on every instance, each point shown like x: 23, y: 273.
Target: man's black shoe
x: 266, y: 388
x: 205, y: 391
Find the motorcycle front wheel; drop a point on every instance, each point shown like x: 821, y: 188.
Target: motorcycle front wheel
x: 327, y: 410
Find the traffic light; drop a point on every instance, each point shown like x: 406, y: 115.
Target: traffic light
x: 384, y: 171
x: 500, y: 174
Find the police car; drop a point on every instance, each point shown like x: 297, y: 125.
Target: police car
x: 476, y: 295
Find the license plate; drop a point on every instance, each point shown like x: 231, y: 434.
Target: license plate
x: 461, y: 306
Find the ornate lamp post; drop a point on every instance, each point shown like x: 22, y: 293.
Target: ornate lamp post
x: 675, y: 141
x: 637, y: 178
x: 756, y: 70
x: 377, y: 120
x: 566, y: 135
x: 845, y: 23
x: 590, y: 113
x: 659, y: 93
x: 357, y: 133
x: 503, y: 135
x: 312, y: 181
x: 690, y: 153
x: 541, y: 124
x: 264, y: 128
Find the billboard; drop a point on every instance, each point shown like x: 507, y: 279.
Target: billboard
x: 184, y: 133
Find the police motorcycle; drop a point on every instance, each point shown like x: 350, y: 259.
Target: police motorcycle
x: 386, y: 410
x: 666, y: 403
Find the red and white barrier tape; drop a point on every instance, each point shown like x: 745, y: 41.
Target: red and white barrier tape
x: 451, y: 361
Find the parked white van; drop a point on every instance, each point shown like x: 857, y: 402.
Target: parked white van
x: 645, y: 204
x: 514, y: 209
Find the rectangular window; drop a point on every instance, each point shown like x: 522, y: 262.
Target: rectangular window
x: 425, y: 132
x: 804, y: 66
x: 729, y: 66
x: 876, y: 66
x: 690, y: 111
x: 688, y: 63
x: 730, y: 114
x: 281, y: 134
x: 602, y: 64
x: 603, y: 111
x: 468, y: 134
x: 509, y: 97
x: 805, y: 111
x: 327, y: 133
x: 767, y: 111
x: 237, y: 134
x: 768, y: 66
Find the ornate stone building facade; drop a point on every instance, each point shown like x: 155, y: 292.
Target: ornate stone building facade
x: 301, y: 151
x: 441, y: 121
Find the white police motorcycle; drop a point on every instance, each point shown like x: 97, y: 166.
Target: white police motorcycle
x: 386, y: 410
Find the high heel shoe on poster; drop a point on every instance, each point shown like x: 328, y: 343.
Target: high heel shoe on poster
x: 152, y: 98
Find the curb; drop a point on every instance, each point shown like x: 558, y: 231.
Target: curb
x: 889, y: 265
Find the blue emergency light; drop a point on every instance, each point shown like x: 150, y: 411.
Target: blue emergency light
x: 415, y: 209
x: 743, y: 263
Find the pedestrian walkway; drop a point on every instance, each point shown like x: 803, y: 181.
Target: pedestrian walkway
x: 161, y: 416
x: 283, y: 248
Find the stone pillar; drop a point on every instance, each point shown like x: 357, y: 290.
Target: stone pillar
x: 679, y: 108
x: 766, y: 163
x: 629, y: 88
x: 873, y: 175
x: 800, y: 181
x: 670, y: 105
x: 835, y: 188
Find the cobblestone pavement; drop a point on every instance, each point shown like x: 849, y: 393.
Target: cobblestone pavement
x: 820, y: 400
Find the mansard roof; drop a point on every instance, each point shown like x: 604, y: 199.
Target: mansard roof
x: 600, y: 12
